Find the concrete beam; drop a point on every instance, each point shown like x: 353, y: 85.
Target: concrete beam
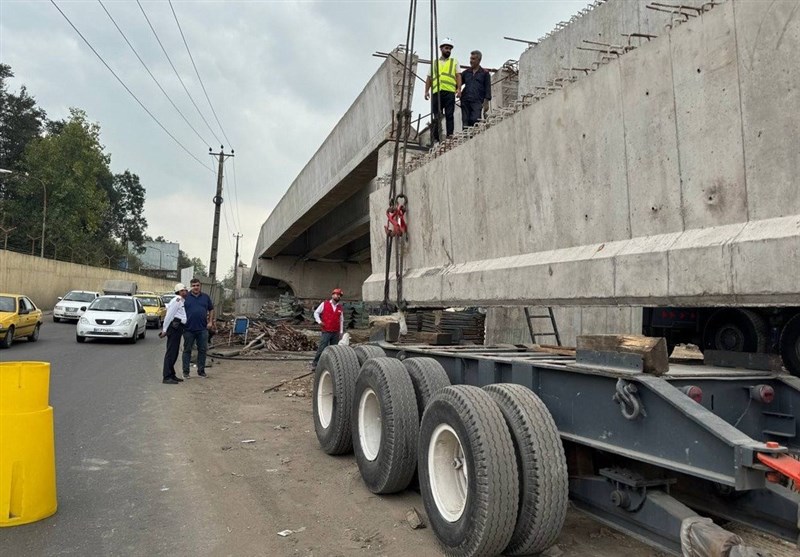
x: 314, y: 279
x: 664, y: 177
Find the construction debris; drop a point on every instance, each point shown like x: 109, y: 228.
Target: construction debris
x: 276, y: 337
x: 414, y: 519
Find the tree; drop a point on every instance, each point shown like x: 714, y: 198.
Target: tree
x: 21, y: 121
x: 73, y: 169
x: 127, y: 208
x: 199, y: 266
x: 229, y: 280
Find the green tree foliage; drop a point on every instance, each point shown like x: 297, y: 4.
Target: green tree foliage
x: 20, y: 121
x: 127, y: 208
x: 62, y: 165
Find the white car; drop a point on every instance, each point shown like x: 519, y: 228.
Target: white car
x: 113, y: 317
x: 73, y: 304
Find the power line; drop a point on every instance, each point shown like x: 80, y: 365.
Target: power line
x: 164, y: 50
x: 236, y: 224
x: 128, y: 89
x: 151, y: 74
x: 214, y: 112
x: 235, y: 198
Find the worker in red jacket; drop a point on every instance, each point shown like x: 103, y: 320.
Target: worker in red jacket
x: 330, y: 316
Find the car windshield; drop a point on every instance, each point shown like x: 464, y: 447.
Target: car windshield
x: 79, y: 297
x: 167, y: 299
x: 148, y: 301
x: 8, y: 304
x: 113, y: 304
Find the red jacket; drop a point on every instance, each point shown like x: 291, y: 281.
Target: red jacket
x: 331, y: 316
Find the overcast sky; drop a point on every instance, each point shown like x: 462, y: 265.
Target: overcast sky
x: 280, y: 74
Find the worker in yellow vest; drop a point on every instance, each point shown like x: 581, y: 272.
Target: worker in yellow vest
x: 445, y: 81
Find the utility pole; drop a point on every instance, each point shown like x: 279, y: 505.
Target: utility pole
x: 212, y: 264
x: 236, y: 269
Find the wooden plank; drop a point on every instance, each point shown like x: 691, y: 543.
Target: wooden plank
x: 652, y: 350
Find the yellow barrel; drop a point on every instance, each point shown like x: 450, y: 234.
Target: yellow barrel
x: 27, y: 447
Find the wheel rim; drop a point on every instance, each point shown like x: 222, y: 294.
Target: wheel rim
x: 797, y: 347
x: 730, y: 337
x: 36, y: 333
x: 325, y: 399
x: 447, y: 472
x: 370, y: 426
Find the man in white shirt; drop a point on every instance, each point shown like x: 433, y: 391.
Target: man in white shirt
x: 173, y: 326
x: 330, y: 316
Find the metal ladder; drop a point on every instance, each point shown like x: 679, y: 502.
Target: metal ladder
x: 529, y: 320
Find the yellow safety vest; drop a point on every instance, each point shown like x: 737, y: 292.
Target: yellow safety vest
x: 446, y: 74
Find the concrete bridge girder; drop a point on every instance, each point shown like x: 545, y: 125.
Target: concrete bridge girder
x: 314, y: 279
x: 667, y: 176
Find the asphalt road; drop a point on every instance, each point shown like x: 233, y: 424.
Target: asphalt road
x: 113, y: 455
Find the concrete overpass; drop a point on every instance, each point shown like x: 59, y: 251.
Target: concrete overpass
x: 658, y: 167
x: 317, y: 236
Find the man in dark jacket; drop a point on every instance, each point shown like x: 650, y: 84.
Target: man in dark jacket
x: 477, y: 90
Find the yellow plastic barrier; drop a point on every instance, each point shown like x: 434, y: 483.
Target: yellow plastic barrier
x: 27, y: 447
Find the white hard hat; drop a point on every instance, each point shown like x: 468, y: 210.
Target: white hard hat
x: 446, y: 41
x: 180, y: 286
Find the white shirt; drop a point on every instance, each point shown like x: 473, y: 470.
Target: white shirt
x: 318, y: 314
x: 175, y: 310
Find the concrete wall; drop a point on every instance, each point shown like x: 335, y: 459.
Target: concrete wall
x: 44, y: 280
x: 607, y: 23
x: 507, y: 324
x: 668, y: 176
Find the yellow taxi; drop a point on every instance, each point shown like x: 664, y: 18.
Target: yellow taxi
x: 19, y: 317
x: 154, y: 308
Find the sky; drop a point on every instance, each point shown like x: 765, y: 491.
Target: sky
x: 279, y: 75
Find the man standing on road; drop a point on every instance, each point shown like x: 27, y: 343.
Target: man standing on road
x: 477, y: 90
x: 199, y: 321
x: 445, y: 81
x: 330, y: 316
x: 173, y: 327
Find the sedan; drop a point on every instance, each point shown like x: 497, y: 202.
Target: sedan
x: 154, y: 308
x: 73, y: 304
x: 113, y: 317
x: 19, y: 317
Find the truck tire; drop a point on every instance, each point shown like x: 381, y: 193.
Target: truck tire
x: 334, y: 381
x: 735, y: 330
x: 542, y: 466
x: 428, y: 377
x: 385, y: 425
x: 468, y: 472
x: 367, y: 351
x: 790, y: 345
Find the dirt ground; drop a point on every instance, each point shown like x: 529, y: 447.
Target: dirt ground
x: 261, y: 471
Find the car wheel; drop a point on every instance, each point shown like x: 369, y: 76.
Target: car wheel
x: 135, y: 336
x: 144, y: 332
x: 56, y: 319
x: 34, y: 336
x: 8, y: 339
x: 80, y: 339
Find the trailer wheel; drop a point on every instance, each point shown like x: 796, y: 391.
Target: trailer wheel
x: 385, y: 425
x: 367, y: 351
x: 467, y: 472
x: 334, y: 381
x: 735, y: 330
x: 790, y: 345
x: 542, y: 465
x: 428, y: 377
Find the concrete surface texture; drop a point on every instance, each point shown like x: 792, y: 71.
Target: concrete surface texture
x: 666, y: 176
x: 325, y: 208
x: 506, y: 325
x: 44, y: 280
